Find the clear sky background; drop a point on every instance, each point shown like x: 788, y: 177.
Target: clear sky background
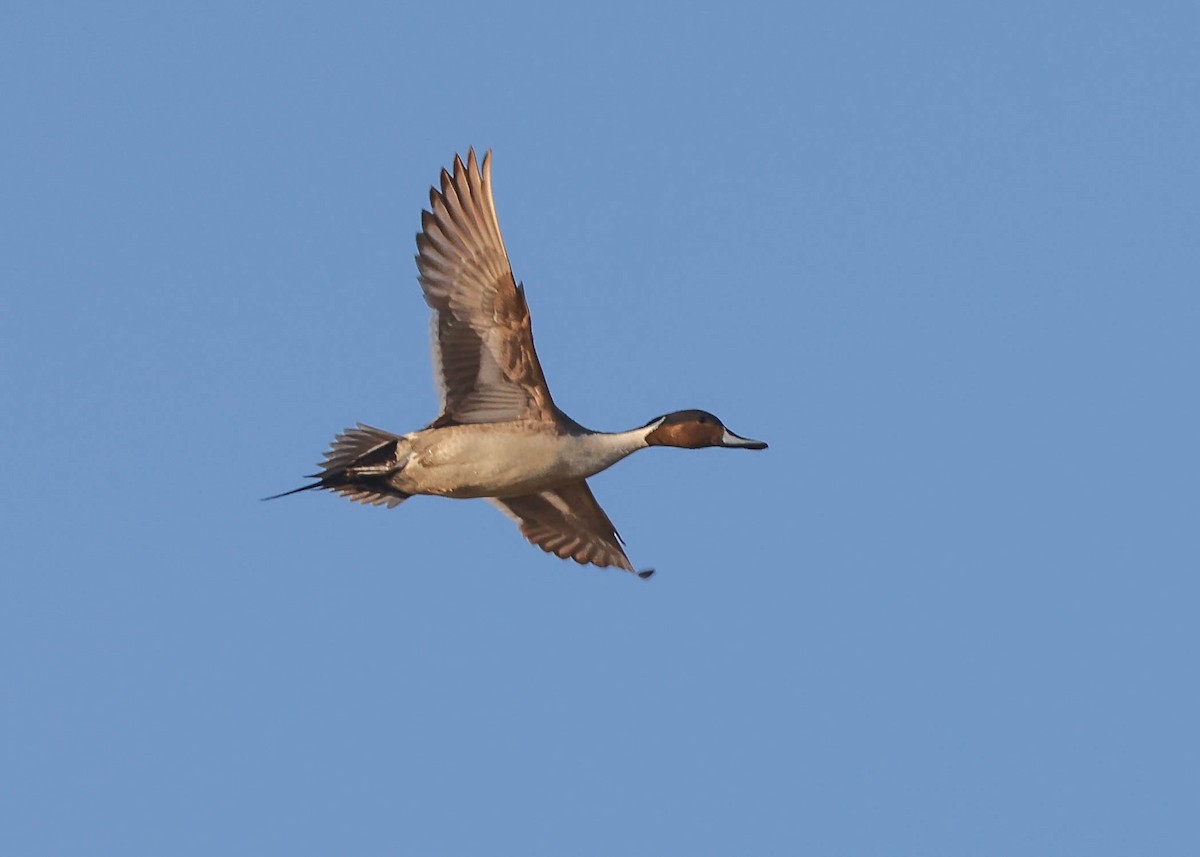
x: 942, y: 256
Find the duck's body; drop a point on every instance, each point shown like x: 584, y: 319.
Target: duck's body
x: 500, y: 459
x: 500, y: 435
x: 506, y: 459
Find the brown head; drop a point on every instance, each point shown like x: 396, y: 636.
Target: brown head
x: 695, y: 429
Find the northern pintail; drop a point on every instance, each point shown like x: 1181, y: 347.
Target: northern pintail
x: 500, y: 435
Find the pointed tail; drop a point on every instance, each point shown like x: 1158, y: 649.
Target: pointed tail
x: 359, y: 466
x: 294, y: 491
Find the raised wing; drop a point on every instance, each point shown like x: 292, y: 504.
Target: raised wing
x: 485, y: 367
x: 568, y: 522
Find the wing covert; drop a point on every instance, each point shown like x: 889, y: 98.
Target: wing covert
x: 569, y: 523
x: 485, y: 365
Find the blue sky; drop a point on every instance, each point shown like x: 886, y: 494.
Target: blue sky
x: 942, y: 257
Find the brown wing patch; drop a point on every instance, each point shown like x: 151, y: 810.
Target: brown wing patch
x: 482, y: 337
x: 569, y: 523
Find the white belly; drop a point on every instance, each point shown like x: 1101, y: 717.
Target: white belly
x: 487, y: 461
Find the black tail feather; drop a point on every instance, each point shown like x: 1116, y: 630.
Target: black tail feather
x: 295, y: 491
x: 358, y: 466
